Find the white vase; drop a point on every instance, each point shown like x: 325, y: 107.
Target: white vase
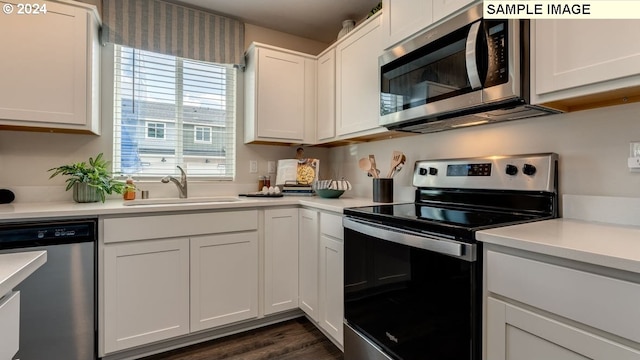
x: 347, y: 26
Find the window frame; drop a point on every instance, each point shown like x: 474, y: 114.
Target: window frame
x: 229, y: 145
x: 147, y: 128
x: 208, y: 130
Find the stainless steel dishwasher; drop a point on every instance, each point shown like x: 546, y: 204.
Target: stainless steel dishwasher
x: 58, y: 302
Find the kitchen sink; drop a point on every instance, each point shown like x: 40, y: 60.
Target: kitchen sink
x: 191, y: 200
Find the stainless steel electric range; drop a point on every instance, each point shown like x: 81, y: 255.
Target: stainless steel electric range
x: 413, y: 271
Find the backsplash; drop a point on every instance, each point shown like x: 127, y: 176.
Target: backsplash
x: 593, y: 146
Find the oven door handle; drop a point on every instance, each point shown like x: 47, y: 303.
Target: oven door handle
x: 423, y: 241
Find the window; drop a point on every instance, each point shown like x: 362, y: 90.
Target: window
x: 171, y: 111
x: 155, y: 130
x: 202, y: 134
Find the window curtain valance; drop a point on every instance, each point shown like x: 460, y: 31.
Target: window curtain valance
x: 173, y: 29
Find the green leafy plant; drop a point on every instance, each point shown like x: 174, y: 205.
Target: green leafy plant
x: 94, y: 174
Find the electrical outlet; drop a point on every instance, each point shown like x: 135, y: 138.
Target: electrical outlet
x: 253, y: 166
x: 634, y: 156
x: 271, y: 167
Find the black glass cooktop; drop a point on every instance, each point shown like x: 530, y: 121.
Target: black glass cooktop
x: 456, y: 222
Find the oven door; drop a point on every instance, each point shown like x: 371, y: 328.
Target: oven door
x: 409, y: 296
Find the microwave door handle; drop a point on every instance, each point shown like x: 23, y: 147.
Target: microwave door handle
x: 470, y: 54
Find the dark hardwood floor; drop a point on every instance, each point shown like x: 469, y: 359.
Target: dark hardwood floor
x: 295, y: 339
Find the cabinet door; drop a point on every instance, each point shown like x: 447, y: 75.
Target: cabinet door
x: 444, y: 8
x: 224, y: 279
x: 146, y: 292
x: 308, y: 268
x: 281, y: 260
x: 403, y: 18
x: 331, y: 287
x: 571, y: 54
x: 9, y: 324
x: 46, y: 82
x: 514, y: 333
x: 357, y: 80
x: 280, y: 95
x: 326, y: 119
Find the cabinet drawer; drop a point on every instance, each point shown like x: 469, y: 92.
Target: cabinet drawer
x: 9, y: 325
x: 164, y: 226
x: 601, y: 302
x: 331, y: 225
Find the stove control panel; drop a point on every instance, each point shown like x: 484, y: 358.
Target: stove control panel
x: 517, y: 172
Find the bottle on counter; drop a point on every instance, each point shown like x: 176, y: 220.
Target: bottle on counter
x: 129, y: 189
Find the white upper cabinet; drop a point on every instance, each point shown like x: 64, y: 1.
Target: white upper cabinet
x: 444, y: 8
x: 403, y: 18
x: 579, y: 58
x: 51, y: 78
x: 326, y: 119
x: 357, y: 80
x: 279, y: 96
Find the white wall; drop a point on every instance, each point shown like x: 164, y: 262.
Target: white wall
x: 25, y: 157
x: 276, y: 38
x: 593, y: 146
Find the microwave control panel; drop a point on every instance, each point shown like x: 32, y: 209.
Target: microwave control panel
x: 497, y: 40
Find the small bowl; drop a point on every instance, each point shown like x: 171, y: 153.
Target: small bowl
x: 329, y: 193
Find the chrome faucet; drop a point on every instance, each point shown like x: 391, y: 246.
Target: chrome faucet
x: 181, y: 184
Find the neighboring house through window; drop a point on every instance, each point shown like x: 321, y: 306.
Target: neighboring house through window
x: 189, y: 105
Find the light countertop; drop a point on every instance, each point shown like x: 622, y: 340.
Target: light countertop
x: 16, y: 267
x: 34, y: 211
x: 609, y: 245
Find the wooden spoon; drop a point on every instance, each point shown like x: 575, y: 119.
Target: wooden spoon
x: 375, y: 172
x: 396, y: 159
x: 365, y: 165
x: 399, y: 166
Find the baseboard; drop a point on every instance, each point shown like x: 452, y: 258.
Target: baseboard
x: 203, y: 336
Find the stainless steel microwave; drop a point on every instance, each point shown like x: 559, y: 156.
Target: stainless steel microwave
x: 465, y: 71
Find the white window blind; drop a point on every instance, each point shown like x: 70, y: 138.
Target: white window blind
x: 171, y: 111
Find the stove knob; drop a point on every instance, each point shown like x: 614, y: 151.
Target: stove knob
x: 422, y: 171
x: 511, y: 170
x: 433, y: 171
x: 529, y: 169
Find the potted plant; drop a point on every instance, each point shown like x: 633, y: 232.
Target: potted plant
x: 90, y: 182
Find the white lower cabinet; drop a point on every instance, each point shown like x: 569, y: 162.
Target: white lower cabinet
x: 224, y: 279
x: 146, y: 292
x: 281, y: 260
x: 9, y: 324
x: 331, y: 286
x: 541, y: 310
x: 519, y: 334
x: 309, y: 248
x: 155, y: 288
x: 321, y: 270
x: 165, y: 276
